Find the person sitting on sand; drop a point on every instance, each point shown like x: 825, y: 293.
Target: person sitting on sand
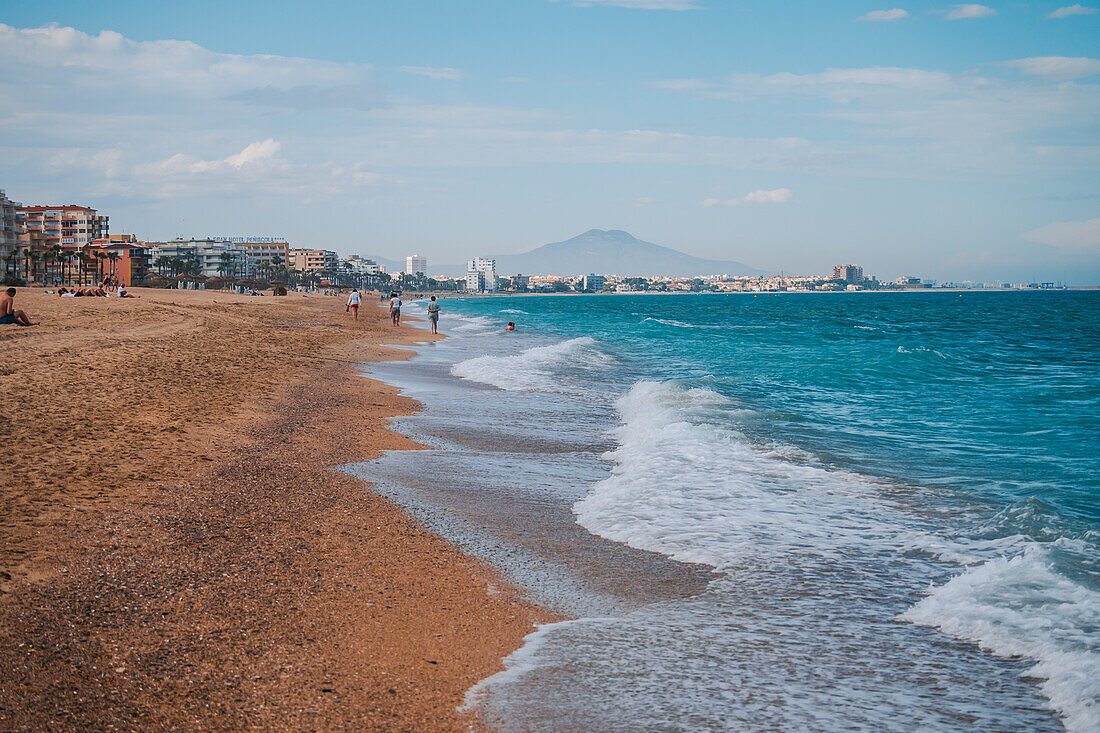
x: 8, y: 314
x: 124, y: 293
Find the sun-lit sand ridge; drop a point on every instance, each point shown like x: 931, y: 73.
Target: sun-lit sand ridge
x: 174, y: 550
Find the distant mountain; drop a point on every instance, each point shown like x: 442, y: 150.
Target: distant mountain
x: 610, y: 252
x: 614, y: 252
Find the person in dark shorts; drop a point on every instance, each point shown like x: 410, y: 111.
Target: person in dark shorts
x: 433, y: 315
x: 8, y: 314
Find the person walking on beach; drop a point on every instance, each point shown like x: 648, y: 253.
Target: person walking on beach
x: 395, y: 309
x: 353, y: 302
x: 8, y: 314
x: 433, y: 315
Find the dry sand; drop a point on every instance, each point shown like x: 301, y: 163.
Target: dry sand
x: 175, y: 552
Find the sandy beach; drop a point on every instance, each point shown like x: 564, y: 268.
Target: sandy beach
x: 175, y: 550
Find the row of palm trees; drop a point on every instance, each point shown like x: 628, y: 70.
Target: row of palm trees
x: 68, y: 265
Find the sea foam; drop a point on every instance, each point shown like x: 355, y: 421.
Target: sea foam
x: 687, y: 484
x: 1022, y: 607
x: 540, y: 368
x: 699, y: 491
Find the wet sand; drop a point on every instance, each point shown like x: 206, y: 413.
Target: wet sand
x: 175, y: 550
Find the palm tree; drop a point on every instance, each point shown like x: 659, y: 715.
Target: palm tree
x: 47, y: 257
x: 83, y: 258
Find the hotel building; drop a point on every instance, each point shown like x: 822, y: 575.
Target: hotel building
x: 214, y: 257
x: 416, y: 265
x: 265, y: 252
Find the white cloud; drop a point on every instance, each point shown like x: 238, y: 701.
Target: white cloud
x: 970, y: 10
x: 966, y: 109
x: 254, y: 152
x: 1072, y: 235
x: 642, y: 201
x: 754, y: 198
x: 435, y: 72
x: 182, y: 165
x: 163, y: 68
x: 1075, y: 9
x: 639, y: 4
x: 1058, y: 68
x: 881, y: 16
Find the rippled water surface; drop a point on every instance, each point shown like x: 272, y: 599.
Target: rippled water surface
x: 838, y: 512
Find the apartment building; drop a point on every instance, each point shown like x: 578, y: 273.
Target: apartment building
x: 69, y: 226
x: 361, y: 265
x: 852, y: 274
x: 12, y: 234
x: 481, y: 275
x: 123, y: 256
x: 312, y: 260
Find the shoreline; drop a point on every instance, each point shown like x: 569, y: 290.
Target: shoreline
x: 215, y: 570
x: 450, y: 294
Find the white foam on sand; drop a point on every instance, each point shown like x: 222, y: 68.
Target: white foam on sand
x: 516, y: 664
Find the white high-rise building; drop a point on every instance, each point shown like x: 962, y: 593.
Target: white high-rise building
x: 416, y: 265
x: 481, y: 275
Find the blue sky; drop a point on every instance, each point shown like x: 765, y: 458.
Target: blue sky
x: 953, y: 141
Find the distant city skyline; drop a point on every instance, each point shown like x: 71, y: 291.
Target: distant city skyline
x: 953, y: 141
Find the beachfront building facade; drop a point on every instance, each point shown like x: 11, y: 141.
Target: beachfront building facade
x: 267, y: 253
x: 13, y: 234
x: 481, y: 275
x: 312, y: 260
x: 416, y: 265
x: 851, y: 274
x: 359, y: 265
x: 592, y: 282
x: 205, y: 257
x: 123, y: 256
x: 70, y: 226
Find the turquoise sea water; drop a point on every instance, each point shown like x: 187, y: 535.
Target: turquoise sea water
x: 898, y: 496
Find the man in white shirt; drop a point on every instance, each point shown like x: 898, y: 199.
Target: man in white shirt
x: 395, y: 309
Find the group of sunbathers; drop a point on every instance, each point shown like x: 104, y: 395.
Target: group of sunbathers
x: 97, y: 292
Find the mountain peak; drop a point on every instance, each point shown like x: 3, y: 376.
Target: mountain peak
x: 613, y: 251
x: 613, y: 234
